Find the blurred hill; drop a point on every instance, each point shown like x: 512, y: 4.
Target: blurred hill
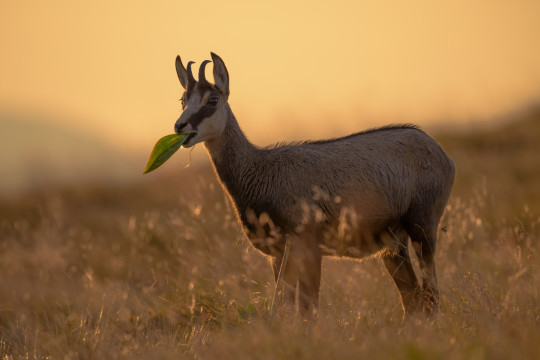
x: 501, y: 162
x: 36, y: 153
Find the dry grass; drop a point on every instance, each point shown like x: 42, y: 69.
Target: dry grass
x: 161, y: 271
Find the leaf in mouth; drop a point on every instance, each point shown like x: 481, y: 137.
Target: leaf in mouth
x: 163, y: 150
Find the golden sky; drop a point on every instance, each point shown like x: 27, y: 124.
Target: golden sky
x: 297, y: 68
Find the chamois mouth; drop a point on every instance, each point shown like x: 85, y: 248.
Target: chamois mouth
x: 190, y: 137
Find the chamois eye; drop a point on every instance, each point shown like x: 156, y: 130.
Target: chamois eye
x: 213, y: 101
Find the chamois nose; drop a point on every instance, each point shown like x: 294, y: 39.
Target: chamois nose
x: 179, y: 126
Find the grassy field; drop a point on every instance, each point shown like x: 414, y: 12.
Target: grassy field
x: 160, y: 270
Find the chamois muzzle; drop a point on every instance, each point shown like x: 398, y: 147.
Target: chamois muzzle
x: 178, y: 127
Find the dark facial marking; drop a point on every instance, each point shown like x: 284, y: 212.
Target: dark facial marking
x: 203, y: 113
x: 206, y: 110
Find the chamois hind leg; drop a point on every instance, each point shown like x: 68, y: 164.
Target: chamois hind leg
x: 400, y: 268
x: 303, y: 268
x: 424, y: 240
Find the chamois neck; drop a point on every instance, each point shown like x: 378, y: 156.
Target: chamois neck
x: 232, y: 150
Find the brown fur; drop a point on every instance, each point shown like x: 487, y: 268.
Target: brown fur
x: 353, y: 196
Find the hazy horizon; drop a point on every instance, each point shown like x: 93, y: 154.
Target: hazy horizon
x: 41, y: 152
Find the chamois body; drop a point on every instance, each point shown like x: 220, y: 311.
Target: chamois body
x: 387, y: 177
x: 352, y: 196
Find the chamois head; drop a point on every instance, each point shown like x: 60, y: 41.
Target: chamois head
x: 204, y: 112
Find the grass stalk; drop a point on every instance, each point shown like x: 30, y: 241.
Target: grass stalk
x: 280, y: 276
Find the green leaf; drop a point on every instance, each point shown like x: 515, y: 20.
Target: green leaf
x: 163, y: 150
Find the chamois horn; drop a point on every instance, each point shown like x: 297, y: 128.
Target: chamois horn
x: 202, y: 78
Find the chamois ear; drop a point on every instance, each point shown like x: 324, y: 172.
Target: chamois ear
x: 221, y: 75
x: 181, y: 72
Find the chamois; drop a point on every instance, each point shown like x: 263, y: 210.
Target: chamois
x: 355, y: 196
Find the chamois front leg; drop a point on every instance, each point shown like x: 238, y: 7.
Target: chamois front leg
x: 302, y: 270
